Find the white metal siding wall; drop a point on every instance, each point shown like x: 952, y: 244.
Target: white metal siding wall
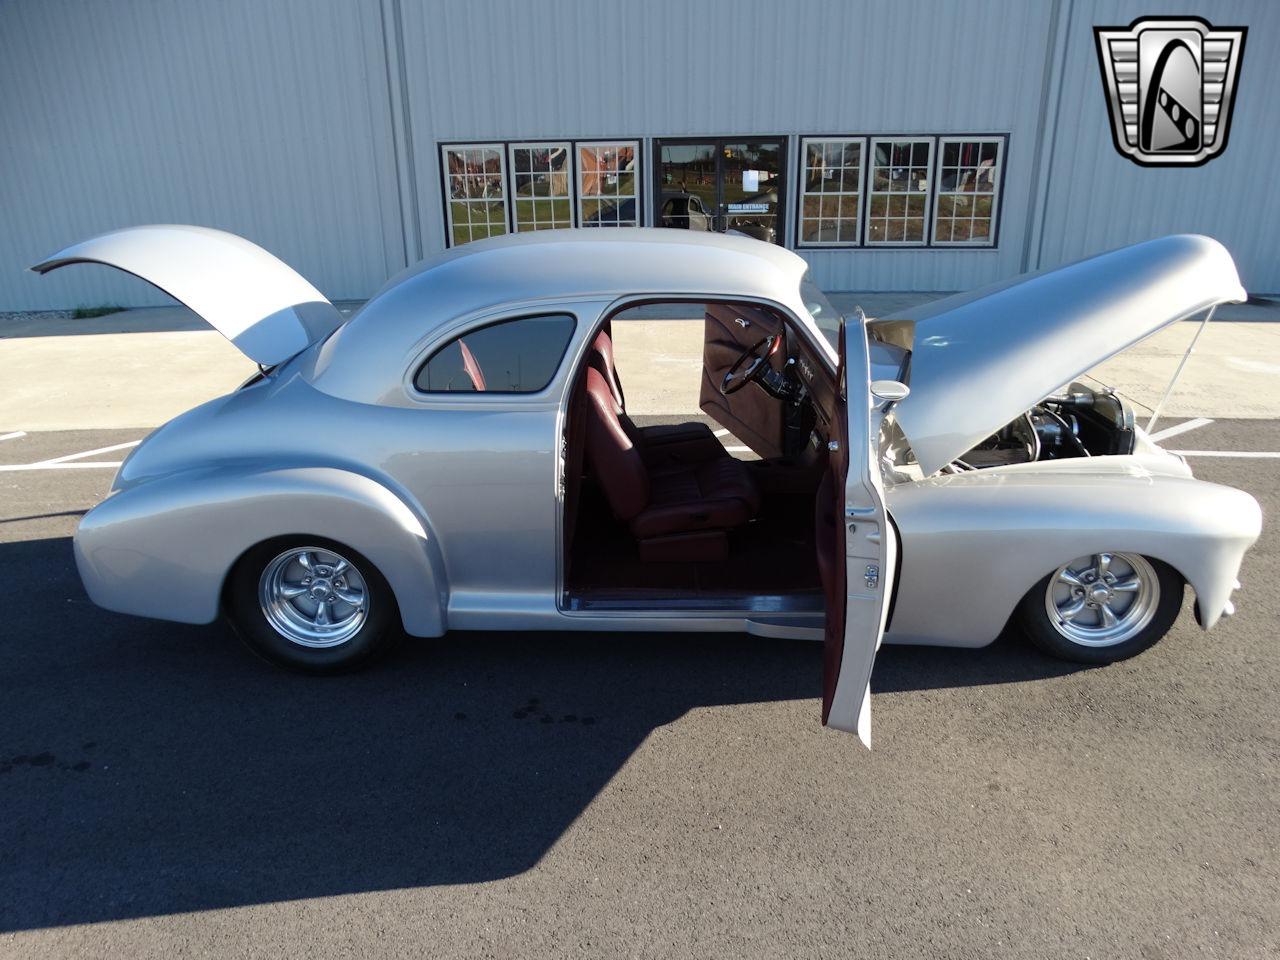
x: 312, y: 126
x: 1097, y: 199
x: 509, y: 69
x: 266, y: 119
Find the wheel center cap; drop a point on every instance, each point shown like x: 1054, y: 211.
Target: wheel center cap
x: 319, y: 589
x: 1099, y: 593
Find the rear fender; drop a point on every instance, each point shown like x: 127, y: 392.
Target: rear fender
x: 164, y: 547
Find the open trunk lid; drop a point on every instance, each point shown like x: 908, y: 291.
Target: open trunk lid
x: 255, y: 300
x: 982, y: 358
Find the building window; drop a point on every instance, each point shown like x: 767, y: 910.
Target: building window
x: 900, y: 175
x: 514, y: 356
x: 541, y: 187
x: 608, y: 179
x: 477, y: 196
x: 830, y: 191
x: 968, y: 184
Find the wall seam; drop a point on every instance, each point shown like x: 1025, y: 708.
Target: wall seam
x: 1046, y: 132
x: 402, y: 131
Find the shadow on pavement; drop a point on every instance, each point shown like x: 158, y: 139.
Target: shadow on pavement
x: 148, y: 768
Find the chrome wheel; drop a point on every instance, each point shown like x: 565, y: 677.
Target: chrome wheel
x: 313, y: 597
x: 1102, y: 600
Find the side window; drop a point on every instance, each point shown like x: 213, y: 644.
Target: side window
x: 515, y: 356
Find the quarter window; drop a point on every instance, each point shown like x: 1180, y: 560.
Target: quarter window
x: 900, y: 175
x: 514, y: 356
x: 831, y: 191
x: 608, y: 175
x: 968, y: 184
x: 541, y: 177
x: 477, y: 194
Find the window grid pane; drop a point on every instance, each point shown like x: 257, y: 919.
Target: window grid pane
x: 968, y: 181
x: 541, y: 189
x: 607, y: 176
x: 477, y: 205
x: 830, y: 190
x: 900, y: 183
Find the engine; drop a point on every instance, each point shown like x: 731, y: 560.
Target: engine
x: 1078, y: 422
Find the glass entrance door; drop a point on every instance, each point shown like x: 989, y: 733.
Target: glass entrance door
x: 731, y: 184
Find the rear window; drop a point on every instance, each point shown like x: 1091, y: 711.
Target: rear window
x: 515, y: 356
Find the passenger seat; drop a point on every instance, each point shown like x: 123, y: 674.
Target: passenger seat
x: 662, y: 445
x: 678, y: 512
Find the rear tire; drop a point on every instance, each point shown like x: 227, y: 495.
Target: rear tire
x: 312, y: 605
x: 1102, y: 608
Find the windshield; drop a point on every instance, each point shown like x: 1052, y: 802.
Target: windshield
x: 826, y: 316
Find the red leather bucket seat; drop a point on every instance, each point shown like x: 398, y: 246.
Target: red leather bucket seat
x: 677, y: 510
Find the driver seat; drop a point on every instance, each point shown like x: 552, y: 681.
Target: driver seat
x: 677, y: 512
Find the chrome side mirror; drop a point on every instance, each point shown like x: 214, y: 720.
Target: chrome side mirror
x: 891, y: 391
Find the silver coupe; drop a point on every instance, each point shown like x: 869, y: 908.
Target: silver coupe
x: 458, y: 455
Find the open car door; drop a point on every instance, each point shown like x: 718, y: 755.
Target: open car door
x: 859, y: 543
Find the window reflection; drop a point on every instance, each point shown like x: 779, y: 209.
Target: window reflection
x: 541, y: 194
x: 607, y: 179
x: 968, y: 179
x: 477, y: 193
x: 831, y: 191
x: 899, y: 189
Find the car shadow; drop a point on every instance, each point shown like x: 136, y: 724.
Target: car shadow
x: 148, y: 768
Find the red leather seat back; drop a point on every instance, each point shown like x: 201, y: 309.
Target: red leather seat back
x: 612, y: 452
x: 602, y: 359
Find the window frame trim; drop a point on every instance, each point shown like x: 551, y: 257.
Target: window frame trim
x: 505, y: 145
x: 448, y: 199
x: 932, y: 140
x: 511, y: 147
x: 863, y: 244
x: 997, y: 195
x: 458, y: 331
x: 577, y: 176
x: 801, y: 166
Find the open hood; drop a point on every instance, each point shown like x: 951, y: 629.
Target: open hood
x: 254, y: 300
x: 980, y: 359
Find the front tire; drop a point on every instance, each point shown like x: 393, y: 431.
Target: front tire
x: 311, y: 604
x: 1102, y: 608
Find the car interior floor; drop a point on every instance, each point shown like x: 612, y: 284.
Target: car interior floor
x: 772, y: 555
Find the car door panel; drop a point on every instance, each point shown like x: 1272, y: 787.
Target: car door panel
x: 860, y: 542
x: 751, y: 415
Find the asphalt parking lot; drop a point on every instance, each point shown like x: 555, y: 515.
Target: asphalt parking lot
x: 164, y: 793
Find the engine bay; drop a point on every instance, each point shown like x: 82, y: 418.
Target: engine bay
x: 1079, y: 421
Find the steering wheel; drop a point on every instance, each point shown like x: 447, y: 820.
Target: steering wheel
x: 756, y: 361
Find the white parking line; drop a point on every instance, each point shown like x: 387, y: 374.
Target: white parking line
x: 722, y: 433
x: 737, y: 449
x: 72, y: 461
x: 13, y: 436
x: 89, y: 453
x: 1238, y: 454
x: 78, y: 465
x: 1173, y: 431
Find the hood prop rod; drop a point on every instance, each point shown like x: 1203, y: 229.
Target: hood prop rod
x: 1155, y: 414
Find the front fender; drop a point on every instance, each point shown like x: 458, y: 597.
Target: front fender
x: 163, y: 548
x: 973, y: 544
